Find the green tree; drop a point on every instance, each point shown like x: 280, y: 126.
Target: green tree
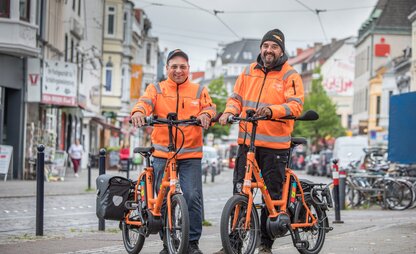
x: 328, y: 124
x: 219, y: 95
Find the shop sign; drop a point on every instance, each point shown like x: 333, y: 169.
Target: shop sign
x: 33, y: 80
x: 6, y: 161
x: 59, y: 83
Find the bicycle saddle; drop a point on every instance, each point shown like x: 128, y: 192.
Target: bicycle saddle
x: 144, y: 149
x: 299, y: 141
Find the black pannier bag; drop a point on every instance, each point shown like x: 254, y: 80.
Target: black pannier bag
x: 112, y: 194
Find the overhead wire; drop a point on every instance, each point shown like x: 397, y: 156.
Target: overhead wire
x: 214, y: 13
x: 317, y: 12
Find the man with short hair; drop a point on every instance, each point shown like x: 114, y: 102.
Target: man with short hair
x: 178, y: 94
x: 274, y: 89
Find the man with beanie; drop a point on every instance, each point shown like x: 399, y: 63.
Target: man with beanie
x: 178, y: 94
x: 272, y: 88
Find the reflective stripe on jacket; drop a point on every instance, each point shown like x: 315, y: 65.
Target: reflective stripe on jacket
x: 281, y: 91
x: 187, y: 99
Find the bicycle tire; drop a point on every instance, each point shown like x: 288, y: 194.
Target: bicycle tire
x: 177, y: 242
x: 399, y: 195
x: 232, y: 241
x: 319, y: 230
x: 132, y: 246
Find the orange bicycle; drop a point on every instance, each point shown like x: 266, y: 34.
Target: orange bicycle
x: 144, y: 210
x: 301, y: 209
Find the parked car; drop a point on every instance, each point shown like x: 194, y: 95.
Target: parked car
x: 312, y: 164
x: 210, y: 163
x: 324, y: 168
x: 348, y: 149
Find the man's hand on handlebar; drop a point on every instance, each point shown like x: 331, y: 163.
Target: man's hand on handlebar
x: 224, y: 118
x: 264, y: 111
x: 205, y: 120
x: 138, y: 119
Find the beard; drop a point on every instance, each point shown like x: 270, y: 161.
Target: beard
x: 269, y: 59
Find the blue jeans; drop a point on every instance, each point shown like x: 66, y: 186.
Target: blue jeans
x: 190, y: 179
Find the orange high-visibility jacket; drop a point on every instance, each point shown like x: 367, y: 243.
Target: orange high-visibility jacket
x: 281, y: 91
x: 187, y: 99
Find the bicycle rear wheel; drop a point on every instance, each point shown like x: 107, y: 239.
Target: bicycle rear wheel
x: 132, y: 238
x: 235, y: 238
x: 315, y: 235
x: 177, y: 239
x: 399, y: 195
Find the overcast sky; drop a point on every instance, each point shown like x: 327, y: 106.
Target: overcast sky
x: 192, y: 26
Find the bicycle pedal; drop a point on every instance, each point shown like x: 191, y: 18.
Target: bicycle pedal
x: 259, y: 206
x: 131, y: 205
x: 301, y: 245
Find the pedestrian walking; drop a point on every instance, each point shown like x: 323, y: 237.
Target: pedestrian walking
x: 75, y: 151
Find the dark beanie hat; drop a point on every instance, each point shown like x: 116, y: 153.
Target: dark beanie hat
x: 275, y: 35
x: 177, y: 52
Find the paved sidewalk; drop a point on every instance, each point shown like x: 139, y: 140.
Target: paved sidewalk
x: 364, y: 231
x: 70, y: 186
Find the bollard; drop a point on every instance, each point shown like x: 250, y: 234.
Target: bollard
x: 335, y: 176
x: 128, y: 168
x: 89, y: 171
x: 101, y: 166
x: 342, y: 180
x: 40, y: 178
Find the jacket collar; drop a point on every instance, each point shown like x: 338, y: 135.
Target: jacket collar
x: 277, y: 67
x: 171, y: 82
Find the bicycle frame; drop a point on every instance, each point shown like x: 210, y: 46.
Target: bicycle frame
x: 252, y: 168
x: 170, y: 180
x: 154, y: 204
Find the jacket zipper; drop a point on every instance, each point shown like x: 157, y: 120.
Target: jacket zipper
x: 177, y: 112
x: 293, y: 85
x: 261, y: 90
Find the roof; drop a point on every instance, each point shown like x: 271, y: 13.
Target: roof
x: 326, y: 51
x: 302, y: 57
x: 244, y: 51
x: 197, y: 75
x: 389, y: 16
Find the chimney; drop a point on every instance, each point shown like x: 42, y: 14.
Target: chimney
x: 137, y: 14
x: 317, y: 45
x: 333, y: 40
x: 299, y: 51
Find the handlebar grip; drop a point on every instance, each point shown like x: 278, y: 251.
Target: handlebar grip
x: 216, y: 118
x: 230, y: 119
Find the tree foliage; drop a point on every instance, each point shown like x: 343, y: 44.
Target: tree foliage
x: 219, y: 95
x: 329, y: 124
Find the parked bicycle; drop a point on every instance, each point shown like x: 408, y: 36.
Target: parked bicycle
x: 144, y: 216
x: 301, y: 211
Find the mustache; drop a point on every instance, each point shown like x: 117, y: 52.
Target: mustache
x: 269, y: 53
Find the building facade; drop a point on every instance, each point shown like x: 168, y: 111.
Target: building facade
x: 18, y: 44
x: 381, y: 38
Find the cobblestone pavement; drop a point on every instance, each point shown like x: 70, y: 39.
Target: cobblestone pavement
x: 71, y: 226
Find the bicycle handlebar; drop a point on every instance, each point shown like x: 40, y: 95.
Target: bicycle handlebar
x: 309, y: 115
x: 151, y: 120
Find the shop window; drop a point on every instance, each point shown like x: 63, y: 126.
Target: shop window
x: 4, y: 8
x: 24, y: 9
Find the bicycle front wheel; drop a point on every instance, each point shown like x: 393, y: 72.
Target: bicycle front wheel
x: 234, y: 236
x: 132, y: 238
x: 177, y: 238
